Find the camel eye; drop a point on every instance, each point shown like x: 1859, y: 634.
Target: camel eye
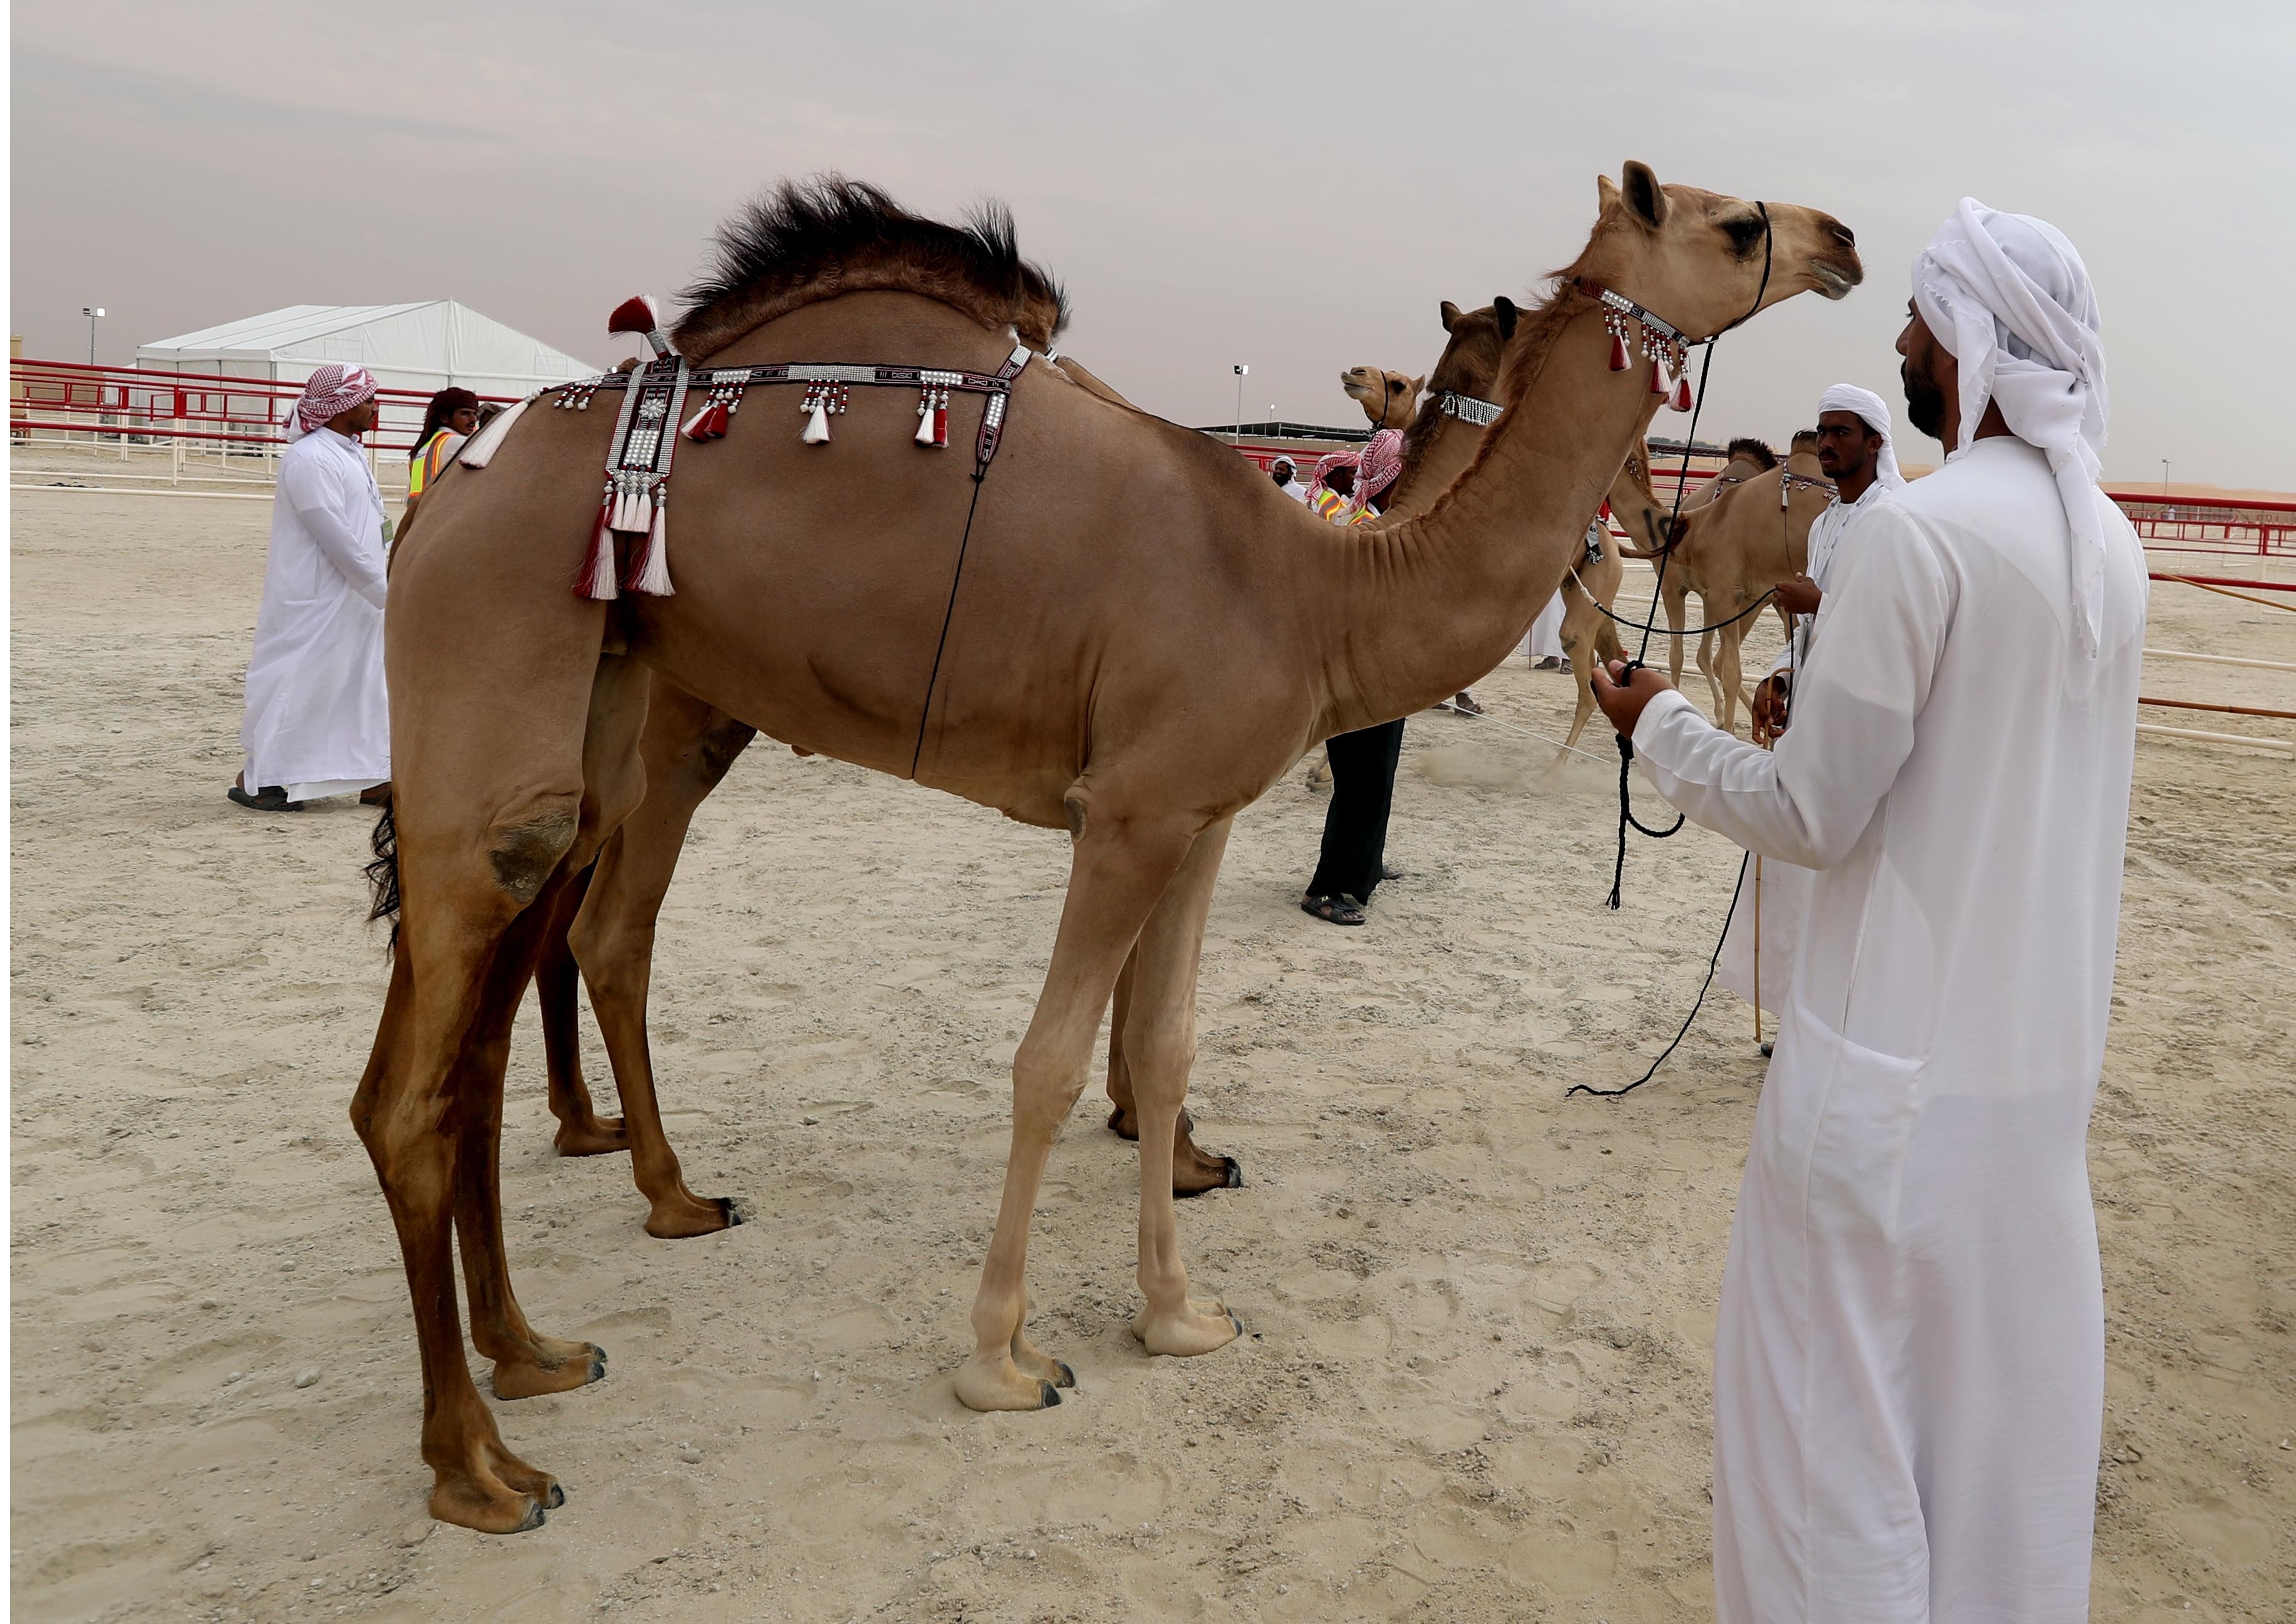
x: 1743, y: 232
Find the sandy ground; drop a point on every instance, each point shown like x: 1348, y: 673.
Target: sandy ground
x: 1476, y: 1382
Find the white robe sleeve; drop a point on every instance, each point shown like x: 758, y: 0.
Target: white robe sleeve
x: 318, y: 501
x: 1882, y: 627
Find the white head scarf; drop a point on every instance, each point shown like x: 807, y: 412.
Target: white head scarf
x: 2008, y: 296
x: 1876, y: 415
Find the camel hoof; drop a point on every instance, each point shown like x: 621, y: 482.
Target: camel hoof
x: 1234, y: 1173
x: 1121, y: 1126
x: 681, y: 1217
x: 735, y: 1212
x: 597, y: 1366
x: 557, y: 1495
x: 600, y: 1136
x: 535, y: 1518
x: 1067, y: 1378
x: 1050, y: 1394
x: 530, y: 1379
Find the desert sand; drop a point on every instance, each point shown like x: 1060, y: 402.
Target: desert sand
x: 1475, y: 1384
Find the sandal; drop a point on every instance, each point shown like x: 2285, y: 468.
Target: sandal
x: 270, y: 798
x: 1339, y: 910
x: 376, y: 795
x: 1465, y: 703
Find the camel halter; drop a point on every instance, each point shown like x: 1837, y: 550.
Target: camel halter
x: 1466, y: 408
x: 1626, y: 745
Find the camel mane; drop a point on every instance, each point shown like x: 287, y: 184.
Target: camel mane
x: 808, y: 239
x: 1747, y: 448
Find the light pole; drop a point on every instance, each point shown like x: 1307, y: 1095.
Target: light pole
x: 91, y: 312
x: 2164, y: 479
x: 1242, y: 372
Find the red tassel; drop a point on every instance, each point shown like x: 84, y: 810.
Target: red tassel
x: 632, y: 315
x: 1682, y: 392
x: 941, y: 425
x: 1658, y: 378
x: 1618, y: 353
x: 698, y: 426
x: 597, y: 577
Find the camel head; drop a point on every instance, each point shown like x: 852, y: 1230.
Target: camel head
x: 1695, y: 259
x: 1386, y: 397
x: 1801, y: 457
x: 1470, y: 357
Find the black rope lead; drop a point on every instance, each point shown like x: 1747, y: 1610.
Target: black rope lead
x: 1681, y: 484
x: 1699, y: 1003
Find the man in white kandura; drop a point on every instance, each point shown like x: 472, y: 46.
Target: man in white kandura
x: 1855, y: 452
x: 318, y: 722
x: 1909, y: 1363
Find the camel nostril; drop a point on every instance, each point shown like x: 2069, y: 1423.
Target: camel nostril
x: 1849, y: 237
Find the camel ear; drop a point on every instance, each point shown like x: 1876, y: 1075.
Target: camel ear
x: 1507, y: 313
x: 1642, y: 194
x: 1450, y: 315
x: 1606, y: 193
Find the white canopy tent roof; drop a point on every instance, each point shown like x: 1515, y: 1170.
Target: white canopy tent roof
x: 426, y: 346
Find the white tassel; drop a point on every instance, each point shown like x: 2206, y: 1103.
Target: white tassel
x: 926, y: 424
x: 816, y: 428
x: 620, y: 521
x: 653, y: 573
x: 478, y: 452
x: 694, y: 421
x: 642, y: 512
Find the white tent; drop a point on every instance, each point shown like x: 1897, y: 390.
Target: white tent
x: 428, y: 346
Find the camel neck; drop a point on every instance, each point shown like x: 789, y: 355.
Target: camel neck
x: 1432, y: 603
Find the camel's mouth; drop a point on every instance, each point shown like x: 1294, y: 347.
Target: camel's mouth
x: 1831, y: 282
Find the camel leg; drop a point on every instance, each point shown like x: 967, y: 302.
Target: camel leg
x: 1706, y: 660
x: 1122, y: 866
x: 526, y: 1362
x: 1727, y: 672
x: 1677, y: 597
x: 1194, y: 1170
x: 1160, y: 1034
x: 461, y: 889
x: 557, y: 985
x: 688, y: 748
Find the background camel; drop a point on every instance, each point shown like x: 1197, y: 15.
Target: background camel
x: 1143, y: 635
x: 1749, y: 531
x: 1387, y: 398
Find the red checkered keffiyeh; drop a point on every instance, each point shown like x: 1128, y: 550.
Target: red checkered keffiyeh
x: 1376, y: 463
x: 329, y: 391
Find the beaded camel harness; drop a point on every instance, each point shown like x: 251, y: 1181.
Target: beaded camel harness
x: 647, y: 429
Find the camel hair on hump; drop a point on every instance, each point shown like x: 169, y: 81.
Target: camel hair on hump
x: 1144, y: 635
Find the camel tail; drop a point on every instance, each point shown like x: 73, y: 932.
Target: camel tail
x: 382, y: 873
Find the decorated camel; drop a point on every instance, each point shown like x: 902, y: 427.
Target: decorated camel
x: 971, y: 572
x: 1743, y: 533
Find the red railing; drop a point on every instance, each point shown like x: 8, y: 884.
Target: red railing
x: 122, y: 406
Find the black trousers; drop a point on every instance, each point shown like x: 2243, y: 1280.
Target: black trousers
x: 1355, y: 827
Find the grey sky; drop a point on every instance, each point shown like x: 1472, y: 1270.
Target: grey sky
x: 1292, y: 186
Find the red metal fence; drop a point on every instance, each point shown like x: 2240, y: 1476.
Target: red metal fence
x: 121, y: 406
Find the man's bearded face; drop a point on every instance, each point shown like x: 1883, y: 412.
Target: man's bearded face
x: 1924, y: 397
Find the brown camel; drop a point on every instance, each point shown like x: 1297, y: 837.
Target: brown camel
x: 1119, y: 628
x: 1740, y: 535
x: 1387, y: 398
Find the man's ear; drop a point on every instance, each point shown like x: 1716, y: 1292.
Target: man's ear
x: 1504, y: 308
x: 1645, y: 199
x: 1450, y: 315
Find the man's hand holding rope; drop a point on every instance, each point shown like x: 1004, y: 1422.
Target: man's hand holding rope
x: 1622, y: 691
